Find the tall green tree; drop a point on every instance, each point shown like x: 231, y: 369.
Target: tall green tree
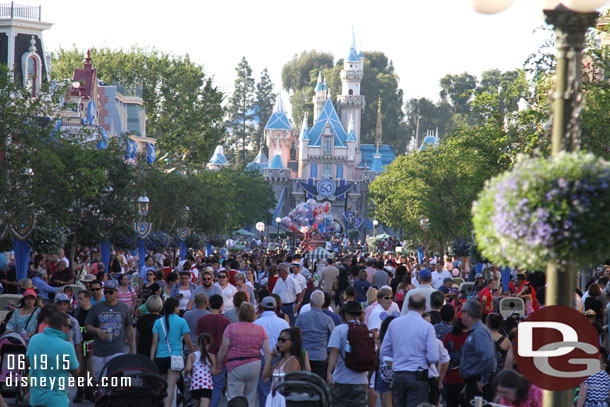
x: 241, y: 111
x: 265, y: 100
x: 457, y: 90
x: 299, y: 78
x: 183, y: 105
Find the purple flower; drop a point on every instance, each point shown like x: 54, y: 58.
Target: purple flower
x: 562, y: 183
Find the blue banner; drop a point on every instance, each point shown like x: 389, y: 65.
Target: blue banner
x: 105, y: 249
x: 358, y: 222
x: 420, y: 254
x: 208, y: 249
x: 348, y: 215
x: 141, y: 253
x: 182, y: 250
x: 22, y: 257
x: 505, y: 271
x: 151, y: 153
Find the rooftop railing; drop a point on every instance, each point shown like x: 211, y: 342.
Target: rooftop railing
x: 13, y: 10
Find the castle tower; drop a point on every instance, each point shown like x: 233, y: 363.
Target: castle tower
x: 351, y: 102
x: 319, y: 98
x: 377, y: 165
x: 278, y: 133
x: 21, y: 45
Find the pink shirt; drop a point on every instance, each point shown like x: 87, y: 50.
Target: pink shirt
x: 246, y: 343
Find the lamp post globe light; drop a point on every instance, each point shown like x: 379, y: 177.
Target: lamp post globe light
x: 375, y: 223
x: 277, y: 223
x: 571, y: 20
x: 260, y: 226
x: 143, y: 203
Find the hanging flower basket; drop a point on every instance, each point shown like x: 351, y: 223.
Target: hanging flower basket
x: 546, y: 210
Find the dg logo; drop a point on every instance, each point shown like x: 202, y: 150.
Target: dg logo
x: 556, y: 348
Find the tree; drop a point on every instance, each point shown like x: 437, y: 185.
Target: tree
x: 241, y: 110
x: 265, y: 100
x: 430, y: 115
x: 183, y: 106
x: 457, y: 90
x: 299, y: 78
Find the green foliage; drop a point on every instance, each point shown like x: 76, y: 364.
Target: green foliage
x: 124, y: 237
x: 195, y: 241
x: 47, y: 239
x: 265, y: 99
x: 183, y: 106
x: 241, y: 112
x: 546, y: 211
x: 157, y: 241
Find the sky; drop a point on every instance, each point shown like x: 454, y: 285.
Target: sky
x: 425, y: 39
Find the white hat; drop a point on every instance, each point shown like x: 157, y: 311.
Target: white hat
x: 433, y: 262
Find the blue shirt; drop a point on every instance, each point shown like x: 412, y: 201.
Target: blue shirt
x: 336, y: 318
x: 144, y: 270
x: 177, y: 328
x: 410, y: 342
x: 273, y: 325
x: 60, y: 359
x: 342, y: 374
x: 316, y: 328
x: 43, y: 288
x: 478, y: 354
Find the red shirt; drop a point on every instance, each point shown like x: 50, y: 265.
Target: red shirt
x: 214, y: 325
x: 488, y: 304
x: 232, y: 276
x: 271, y: 283
x: 166, y: 271
x: 453, y: 343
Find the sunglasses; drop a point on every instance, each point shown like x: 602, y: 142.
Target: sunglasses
x: 207, y: 279
x: 149, y: 274
x: 387, y: 298
x: 109, y: 292
x: 282, y: 340
x: 222, y: 277
x: 96, y: 289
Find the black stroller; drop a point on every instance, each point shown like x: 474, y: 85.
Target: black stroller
x: 133, y: 381
x: 304, y: 389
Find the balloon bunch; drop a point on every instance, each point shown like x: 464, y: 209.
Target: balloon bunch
x: 310, y: 216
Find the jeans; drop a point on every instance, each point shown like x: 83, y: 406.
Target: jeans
x: 319, y: 367
x: 408, y: 391
x: 243, y: 381
x: 219, y: 384
x: 288, y: 309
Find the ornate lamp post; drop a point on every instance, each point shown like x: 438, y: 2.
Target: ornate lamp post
x: 277, y: 223
x: 375, y: 223
x: 142, y: 227
x: 184, y: 232
x: 571, y: 20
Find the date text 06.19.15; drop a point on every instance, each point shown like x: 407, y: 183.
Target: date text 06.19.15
x: 38, y: 362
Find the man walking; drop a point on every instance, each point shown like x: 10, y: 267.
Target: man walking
x: 273, y: 326
x: 289, y: 291
x: 478, y: 363
x: 316, y: 328
x: 349, y: 388
x: 110, y: 321
x: 410, y: 344
x: 425, y: 288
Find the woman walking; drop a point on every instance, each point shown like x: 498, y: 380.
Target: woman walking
x: 242, y: 343
x: 168, y: 333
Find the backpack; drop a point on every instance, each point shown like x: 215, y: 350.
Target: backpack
x: 360, y: 354
x: 454, y: 355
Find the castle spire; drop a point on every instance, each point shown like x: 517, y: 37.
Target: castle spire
x: 319, y: 85
x: 378, y: 129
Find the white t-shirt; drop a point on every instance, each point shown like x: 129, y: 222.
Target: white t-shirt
x: 186, y: 296
x: 437, y: 278
x: 227, y: 295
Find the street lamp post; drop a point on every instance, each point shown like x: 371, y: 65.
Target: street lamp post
x: 260, y: 226
x: 142, y: 227
x: 277, y: 223
x: 375, y: 223
x: 184, y: 232
x: 571, y: 20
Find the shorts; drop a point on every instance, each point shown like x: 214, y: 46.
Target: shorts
x: 163, y: 364
x: 380, y: 385
x: 201, y: 394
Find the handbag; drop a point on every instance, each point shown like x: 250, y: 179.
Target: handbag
x: 176, y: 362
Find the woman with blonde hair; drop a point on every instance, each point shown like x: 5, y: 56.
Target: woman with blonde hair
x: 371, y: 300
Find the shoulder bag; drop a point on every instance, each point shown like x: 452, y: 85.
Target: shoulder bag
x: 177, y: 362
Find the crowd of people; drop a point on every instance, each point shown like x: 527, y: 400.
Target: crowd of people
x: 384, y: 327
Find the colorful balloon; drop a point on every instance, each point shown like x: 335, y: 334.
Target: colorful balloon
x: 326, y: 207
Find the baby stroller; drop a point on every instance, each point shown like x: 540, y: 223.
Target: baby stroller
x: 147, y: 388
x: 304, y: 389
x: 12, y: 354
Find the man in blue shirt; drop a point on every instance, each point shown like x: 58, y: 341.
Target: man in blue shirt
x: 43, y: 288
x: 409, y: 347
x: 273, y: 326
x: 316, y: 329
x: 478, y: 363
x: 52, y: 359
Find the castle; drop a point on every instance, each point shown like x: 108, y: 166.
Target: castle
x: 326, y: 161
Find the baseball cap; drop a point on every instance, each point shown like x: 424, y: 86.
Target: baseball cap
x: 28, y: 293
x: 479, y: 275
x: 61, y: 297
x: 433, y: 262
x: 447, y: 279
x: 268, y: 303
x: 111, y: 284
x: 425, y: 273
x: 89, y: 278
